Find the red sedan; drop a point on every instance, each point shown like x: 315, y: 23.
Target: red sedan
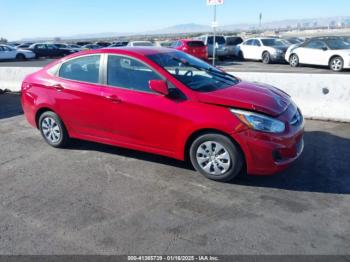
x: 193, y: 47
x: 169, y: 103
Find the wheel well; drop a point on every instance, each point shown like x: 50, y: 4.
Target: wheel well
x: 39, y: 113
x: 201, y: 132
x: 334, y: 56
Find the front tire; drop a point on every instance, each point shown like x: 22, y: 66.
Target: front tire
x: 53, y: 130
x: 336, y: 64
x: 20, y: 57
x: 266, y: 58
x: 216, y: 157
x: 294, y: 60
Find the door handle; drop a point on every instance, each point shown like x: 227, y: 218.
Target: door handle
x: 114, y: 98
x: 58, y: 87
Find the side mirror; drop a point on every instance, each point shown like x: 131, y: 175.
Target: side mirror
x: 159, y: 86
x: 324, y: 48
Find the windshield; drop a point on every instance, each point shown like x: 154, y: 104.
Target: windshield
x: 193, y: 72
x: 337, y: 44
x: 273, y: 42
x: 218, y: 39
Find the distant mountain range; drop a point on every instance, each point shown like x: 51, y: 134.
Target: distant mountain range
x: 198, y: 28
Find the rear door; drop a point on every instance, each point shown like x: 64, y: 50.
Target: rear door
x: 76, y: 92
x: 134, y: 115
x: 247, y: 49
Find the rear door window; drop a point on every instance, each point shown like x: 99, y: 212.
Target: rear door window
x: 84, y: 69
x: 195, y: 44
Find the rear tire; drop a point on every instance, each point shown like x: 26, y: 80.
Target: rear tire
x: 336, y: 64
x: 216, y: 157
x: 53, y: 130
x: 294, y: 60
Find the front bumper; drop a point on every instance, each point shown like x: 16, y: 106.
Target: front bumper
x: 267, y: 154
x: 278, y: 57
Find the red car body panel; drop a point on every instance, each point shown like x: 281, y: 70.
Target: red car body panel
x: 198, y: 51
x: 156, y: 124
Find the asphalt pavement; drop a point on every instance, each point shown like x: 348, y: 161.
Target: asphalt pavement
x: 98, y: 199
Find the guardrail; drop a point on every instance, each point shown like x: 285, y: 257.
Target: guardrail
x: 319, y: 96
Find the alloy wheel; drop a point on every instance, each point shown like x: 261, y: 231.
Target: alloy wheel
x: 213, y: 158
x: 337, y: 64
x: 51, y: 130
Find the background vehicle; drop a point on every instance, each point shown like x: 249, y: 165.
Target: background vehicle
x: 81, y: 43
x: 119, y: 44
x: 103, y: 44
x: 221, y: 51
x: 141, y: 43
x: 91, y: 46
x: 169, y: 103
x: 49, y: 50
x: 76, y: 48
x: 24, y: 45
x: 9, y: 52
x: 333, y: 52
x: 231, y: 44
x: 267, y: 50
x: 193, y: 47
x: 294, y: 40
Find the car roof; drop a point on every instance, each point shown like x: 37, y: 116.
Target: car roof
x: 138, y: 50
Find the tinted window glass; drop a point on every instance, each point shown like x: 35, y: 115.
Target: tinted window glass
x: 195, y: 44
x: 316, y: 45
x: 233, y: 40
x: 249, y: 42
x: 129, y: 73
x: 273, y: 42
x: 40, y: 46
x: 218, y: 39
x: 85, y: 69
x: 337, y: 44
x: 256, y: 42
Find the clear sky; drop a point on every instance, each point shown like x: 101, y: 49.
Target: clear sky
x: 48, y: 18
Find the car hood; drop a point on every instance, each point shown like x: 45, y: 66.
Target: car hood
x: 250, y: 96
x: 24, y: 51
x: 282, y: 48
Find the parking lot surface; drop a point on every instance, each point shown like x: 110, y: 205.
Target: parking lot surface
x: 232, y: 65
x: 98, y: 199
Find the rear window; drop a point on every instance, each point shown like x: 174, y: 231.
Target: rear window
x: 233, y: 40
x: 195, y: 44
x: 218, y: 39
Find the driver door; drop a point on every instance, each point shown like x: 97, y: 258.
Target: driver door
x: 314, y: 53
x: 134, y: 115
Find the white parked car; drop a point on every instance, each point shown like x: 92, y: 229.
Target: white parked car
x: 263, y: 49
x: 333, y: 52
x: 141, y: 43
x: 8, y: 52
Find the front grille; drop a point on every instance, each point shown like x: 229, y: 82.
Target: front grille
x: 297, y: 119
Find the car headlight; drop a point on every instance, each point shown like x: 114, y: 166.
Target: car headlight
x: 259, y: 122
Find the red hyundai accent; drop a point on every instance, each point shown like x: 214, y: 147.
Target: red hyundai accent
x: 169, y: 103
x: 193, y: 47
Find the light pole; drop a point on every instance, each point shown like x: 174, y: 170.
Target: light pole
x: 215, y: 24
x: 214, y: 37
